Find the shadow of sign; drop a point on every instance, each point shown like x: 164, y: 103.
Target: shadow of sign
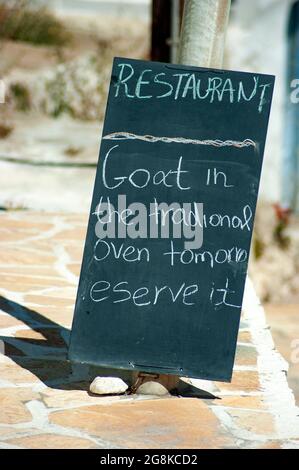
x: 44, y: 354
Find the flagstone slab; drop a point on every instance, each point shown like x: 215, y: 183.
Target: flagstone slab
x: 12, y: 405
x: 166, y: 423
x: 242, y: 381
x: 245, y: 402
x: 52, y: 441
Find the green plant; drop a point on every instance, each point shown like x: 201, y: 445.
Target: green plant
x: 279, y: 235
x: 23, y: 21
x: 21, y: 96
x: 258, y: 247
x: 56, y: 90
x: 5, y: 130
x: 77, y: 89
x: 72, y: 151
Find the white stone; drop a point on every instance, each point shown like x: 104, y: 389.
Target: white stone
x: 108, y: 386
x: 152, y: 388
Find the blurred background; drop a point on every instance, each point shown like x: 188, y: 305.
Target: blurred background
x: 55, y: 62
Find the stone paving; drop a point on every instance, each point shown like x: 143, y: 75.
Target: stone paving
x: 44, y: 399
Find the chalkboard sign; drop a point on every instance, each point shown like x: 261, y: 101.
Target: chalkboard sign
x: 171, y: 219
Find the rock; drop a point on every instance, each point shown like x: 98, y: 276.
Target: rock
x: 108, y: 386
x: 152, y: 388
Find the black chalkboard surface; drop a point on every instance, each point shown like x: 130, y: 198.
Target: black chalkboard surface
x: 171, y: 219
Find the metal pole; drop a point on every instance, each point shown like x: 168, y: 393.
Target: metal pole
x: 175, y: 30
x: 203, y: 32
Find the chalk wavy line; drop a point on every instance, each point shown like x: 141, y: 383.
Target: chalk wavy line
x: 180, y: 140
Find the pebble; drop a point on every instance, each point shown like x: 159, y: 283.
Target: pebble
x: 108, y: 386
x: 152, y: 388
